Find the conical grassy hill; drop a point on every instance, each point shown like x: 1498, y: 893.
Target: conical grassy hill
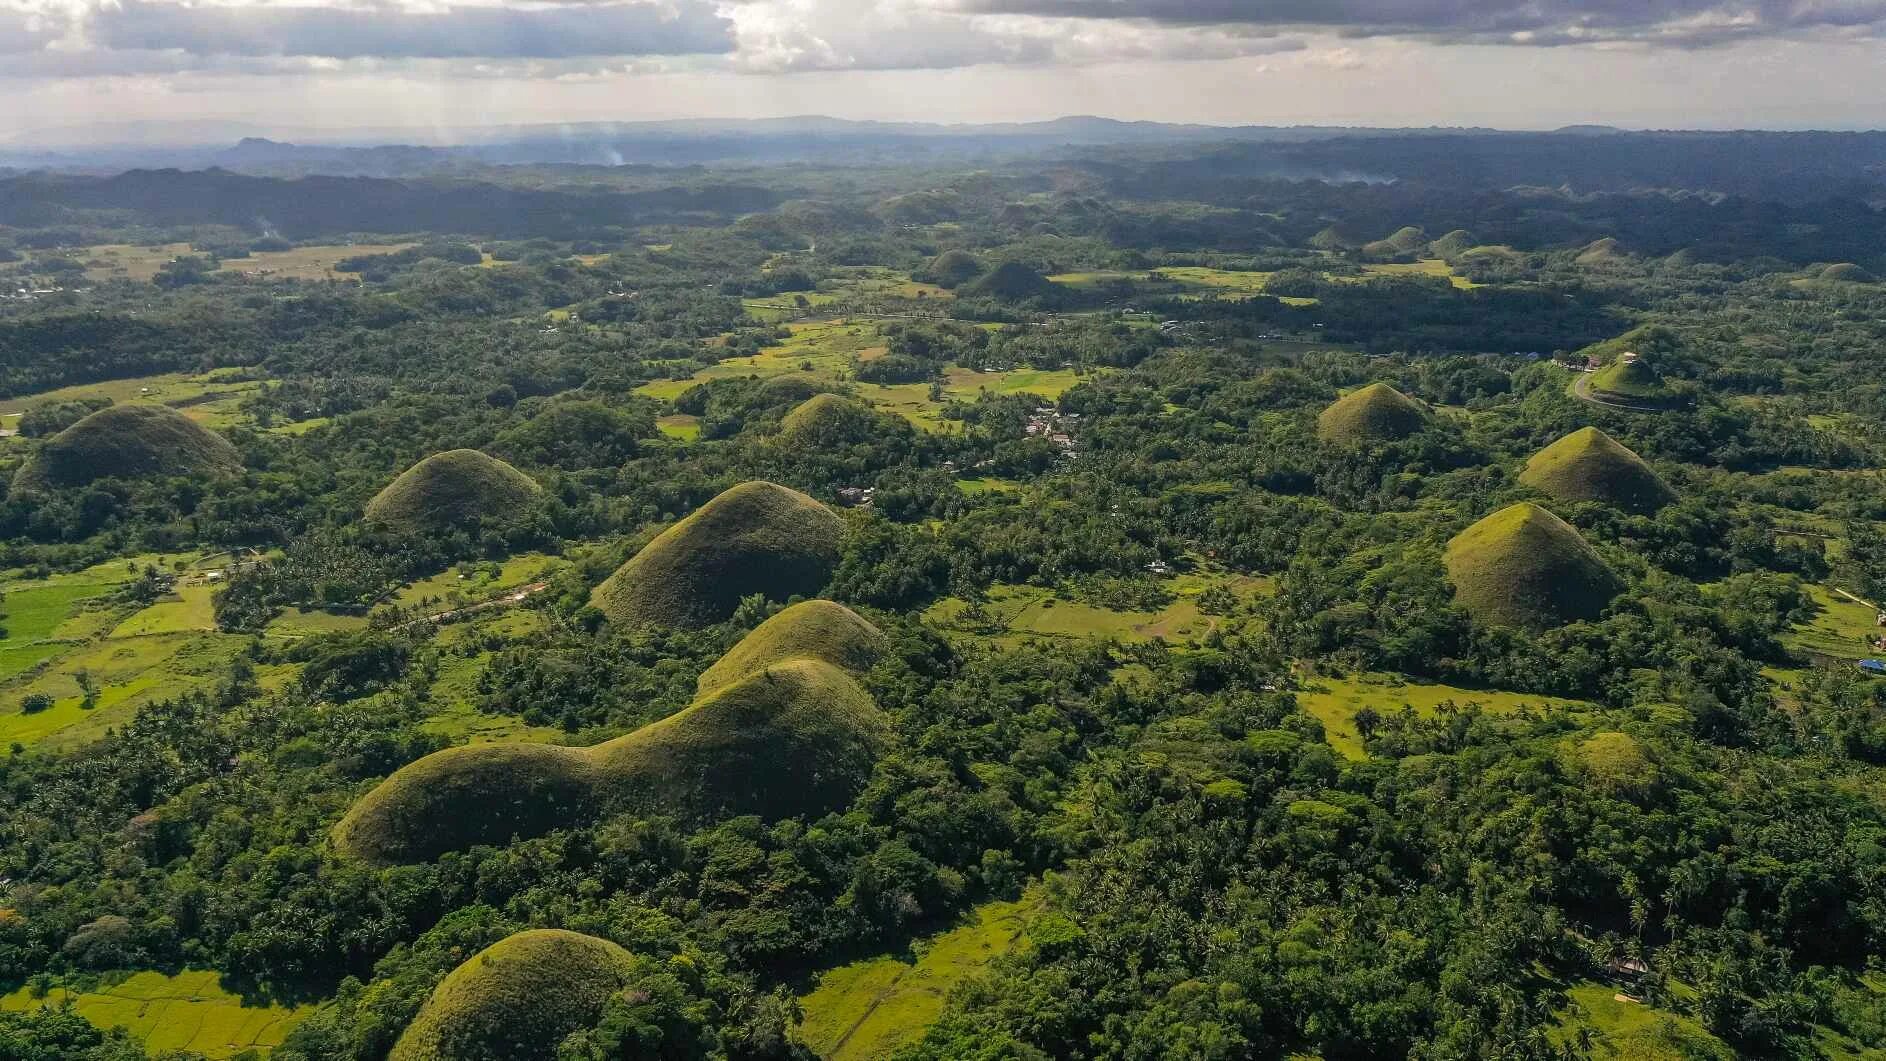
x: 824, y: 421
x: 517, y: 999
x: 138, y: 441
x: 757, y: 537
x: 1377, y: 412
x: 1522, y: 566
x: 457, y: 487
x: 814, y: 629
x: 1589, y: 465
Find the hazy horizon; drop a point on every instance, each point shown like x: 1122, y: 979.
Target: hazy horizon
x: 1692, y: 64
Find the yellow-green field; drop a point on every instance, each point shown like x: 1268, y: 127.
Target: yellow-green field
x: 186, y: 609
x: 1335, y: 701
x: 820, y: 350
x: 1839, y: 631
x: 870, y: 1009
x: 305, y: 263
x: 1424, y: 267
x: 679, y: 426
x: 1632, y: 1031
x: 293, y: 622
x: 189, y: 1011
x: 452, y: 710
x: 472, y: 582
x: 1190, y: 281
x: 132, y: 262
x: 1013, y: 613
x: 212, y: 399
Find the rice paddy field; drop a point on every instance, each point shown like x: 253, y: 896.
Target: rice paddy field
x: 870, y: 1009
x: 1335, y: 701
x: 189, y: 1011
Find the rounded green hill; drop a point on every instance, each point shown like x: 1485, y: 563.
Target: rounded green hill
x: 517, y: 999
x: 137, y: 441
x: 451, y: 489
x: 758, y: 537
x: 1013, y: 282
x: 789, y: 738
x: 1377, y: 412
x: 1599, y: 252
x: 788, y: 388
x: 954, y: 268
x: 1589, y: 465
x: 1848, y: 272
x: 1630, y: 377
x: 1453, y: 244
x: 814, y: 629
x: 824, y: 421
x: 1406, y: 240
x: 1522, y: 566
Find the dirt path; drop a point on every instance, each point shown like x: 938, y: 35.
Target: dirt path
x: 1581, y: 389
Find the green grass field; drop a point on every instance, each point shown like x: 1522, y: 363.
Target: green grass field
x: 189, y: 1011
x: 1632, y: 1031
x: 679, y: 426
x: 186, y: 609
x: 987, y: 485
x: 870, y: 1009
x: 1016, y: 612
x: 210, y: 398
x: 471, y: 583
x: 1335, y: 701
x: 1424, y: 267
x: 1839, y: 631
x: 293, y: 622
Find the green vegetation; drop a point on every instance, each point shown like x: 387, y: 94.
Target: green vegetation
x: 127, y: 441
x: 1377, y: 412
x: 1847, y: 272
x: 1013, y: 282
x: 189, y: 1011
x: 1406, y: 240
x: 954, y: 268
x: 1522, y: 566
x: 1620, y: 1028
x: 452, y: 489
x: 814, y: 629
x: 1589, y: 465
x: 757, y: 537
x: 871, y: 1009
x: 517, y: 998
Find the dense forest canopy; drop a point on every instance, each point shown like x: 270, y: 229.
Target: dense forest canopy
x: 1249, y: 616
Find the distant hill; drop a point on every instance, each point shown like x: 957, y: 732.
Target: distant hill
x: 1012, y: 282
x: 1522, y: 566
x: 824, y: 421
x: 131, y: 441
x: 452, y: 489
x: 1376, y: 412
x: 757, y: 537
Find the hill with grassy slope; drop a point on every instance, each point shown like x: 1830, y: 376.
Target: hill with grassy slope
x: 953, y: 268
x: 517, y: 999
x: 1012, y: 282
x: 826, y: 420
x: 1634, y: 379
x: 814, y: 629
x: 132, y: 441
x: 451, y: 489
x: 1522, y: 566
x: 1338, y: 237
x: 1848, y: 272
x: 1600, y: 252
x: 1406, y: 240
x: 783, y: 739
x: 1589, y: 465
x: 757, y: 537
x: 1453, y: 244
x: 1377, y: 412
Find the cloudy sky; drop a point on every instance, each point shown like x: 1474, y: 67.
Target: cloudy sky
x: 434, y: 65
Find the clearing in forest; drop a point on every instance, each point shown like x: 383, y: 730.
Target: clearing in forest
x: 1335, y: 701
x: 871, y: 1008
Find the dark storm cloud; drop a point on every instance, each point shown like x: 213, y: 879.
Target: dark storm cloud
x: 556, y: 32
x: 1673, y: 22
